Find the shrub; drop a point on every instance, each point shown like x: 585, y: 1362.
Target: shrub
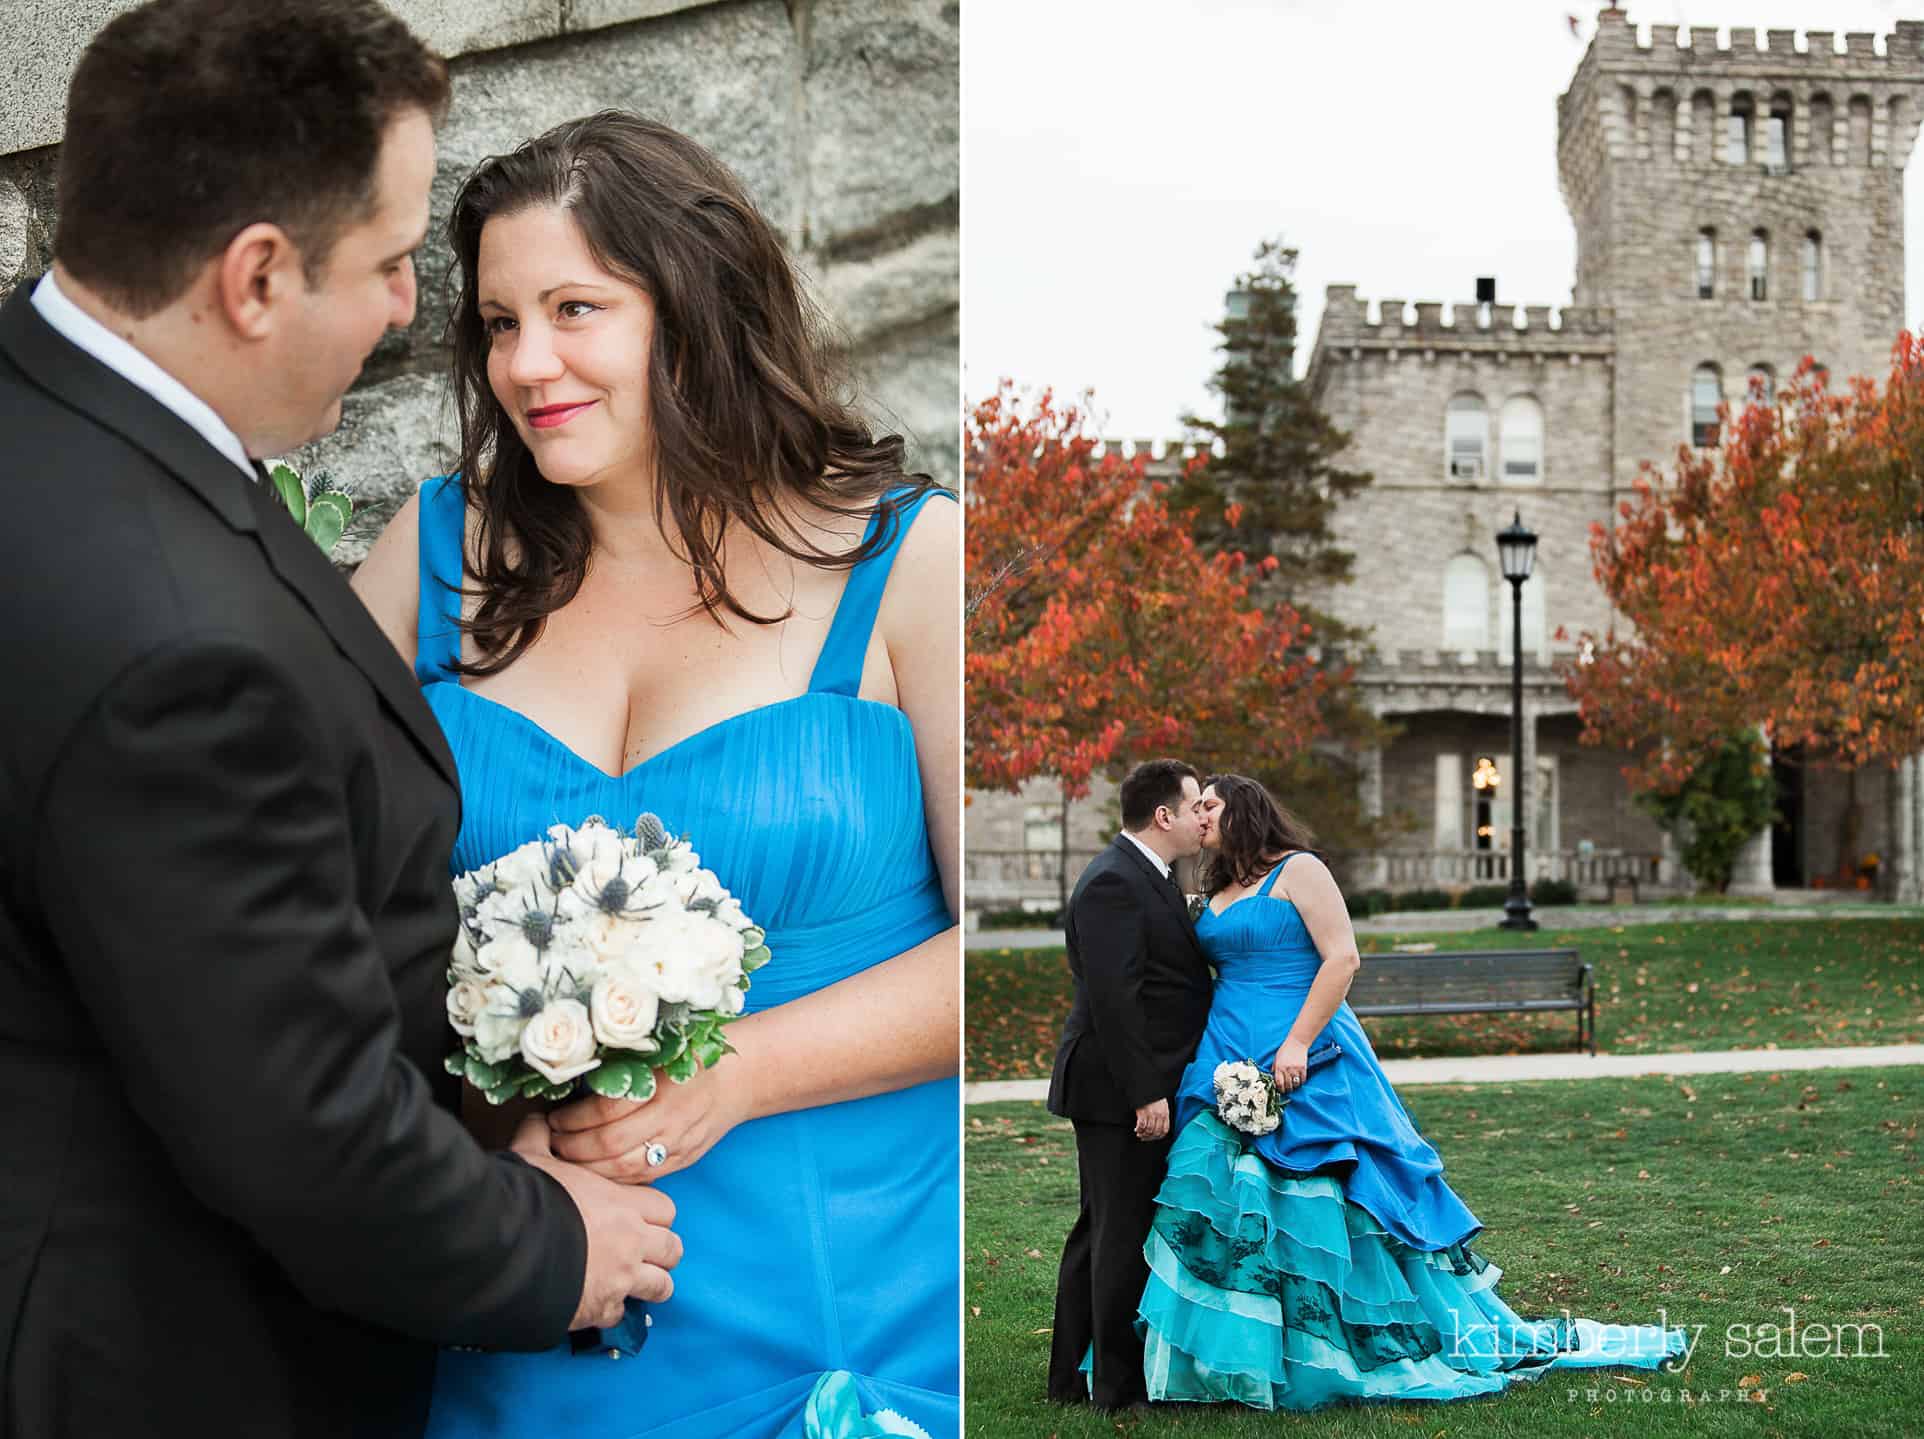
x: 1020, y: 919
x: 1553, y: 891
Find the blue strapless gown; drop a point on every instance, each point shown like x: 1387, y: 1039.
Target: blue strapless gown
x: 1327, y: 1260
x: 822, y: 1246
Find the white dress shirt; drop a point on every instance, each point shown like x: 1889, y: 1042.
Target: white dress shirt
x: 1161, y: 864
x: 137, y: 370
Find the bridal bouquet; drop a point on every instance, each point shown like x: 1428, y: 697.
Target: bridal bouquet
x: 1247, y: 1098
x: 598, y: 956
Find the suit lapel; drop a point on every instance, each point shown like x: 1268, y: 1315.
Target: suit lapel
x: 1165, y: 888
x: 85, y: 385
x: 306, y: 571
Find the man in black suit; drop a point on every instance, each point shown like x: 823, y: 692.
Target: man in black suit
x: 1141, y: 999
x: 236, y: 1200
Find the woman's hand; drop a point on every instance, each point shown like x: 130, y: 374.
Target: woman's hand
x: 612, y: 1136
x: 1292, y: 1065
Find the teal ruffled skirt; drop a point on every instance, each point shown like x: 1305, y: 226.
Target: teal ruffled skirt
x: 1273, y: 1290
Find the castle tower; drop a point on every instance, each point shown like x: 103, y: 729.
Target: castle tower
x: 1736, y: 209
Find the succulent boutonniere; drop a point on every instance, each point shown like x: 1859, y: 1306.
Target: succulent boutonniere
x: 323, y: 515
x: 1196, y: 903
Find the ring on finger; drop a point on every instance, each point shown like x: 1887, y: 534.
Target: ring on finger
x: 654, y: 1154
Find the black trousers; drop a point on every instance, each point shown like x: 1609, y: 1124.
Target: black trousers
x: 1103, y: 1271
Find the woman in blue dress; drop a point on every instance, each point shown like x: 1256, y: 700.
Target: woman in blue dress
x: 677, y: 574
x: 1326, y: 1260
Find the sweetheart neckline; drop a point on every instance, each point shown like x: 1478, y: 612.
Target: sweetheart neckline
x: 1273, y: 898
x: 704, y: 732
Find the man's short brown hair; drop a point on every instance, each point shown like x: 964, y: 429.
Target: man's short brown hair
x: 1149, y: 787
x: 188, y: 120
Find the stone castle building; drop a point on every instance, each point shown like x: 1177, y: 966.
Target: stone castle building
x: 1737, y: 207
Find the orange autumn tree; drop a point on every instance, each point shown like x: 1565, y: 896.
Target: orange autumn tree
x: 1774, y: 582
x: 1098, y: 634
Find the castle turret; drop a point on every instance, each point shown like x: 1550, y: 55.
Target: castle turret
x: 1737, y: 207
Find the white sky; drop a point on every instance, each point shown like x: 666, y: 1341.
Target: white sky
x: 1122, y: 158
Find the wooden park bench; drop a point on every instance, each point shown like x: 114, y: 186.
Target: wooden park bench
x: 1485, y: 981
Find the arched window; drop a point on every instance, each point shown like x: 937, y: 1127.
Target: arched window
x: 1823, y: 129
x: 1703, y: 128
x: 1760, y: 385
x: 1706, y: 393
x: 1860, y: 131
x: 1759, y: 266
x: 1663, y: 127
x: 1739, y: 129
x: 1777, y: 136
x: 1813, y: 265
x: 1467, y: 438
x: 1466, y: 604
x: 1522, y: 441
x: 1706, y: 264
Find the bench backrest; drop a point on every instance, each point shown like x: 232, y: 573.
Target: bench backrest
x: 1467, y: 975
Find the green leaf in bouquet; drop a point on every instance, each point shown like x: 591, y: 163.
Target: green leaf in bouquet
x: 503, y: 1092
x: 683, y: 1066
x: 456, y: 1063
x: 531, y: 1084
x: 327, y: 516
x: 625, y: 1078
x: 710, y: 1047
x: 287, y: 485
x: 484, y: 1076
x: 755, y: 958
x: 754, y: 937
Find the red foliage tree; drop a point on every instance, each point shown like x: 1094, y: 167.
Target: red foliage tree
x: 1774, y: 581
x: 1098, y: 633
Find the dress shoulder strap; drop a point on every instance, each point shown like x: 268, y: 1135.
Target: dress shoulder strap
x: 1269, y: 886
x: 442, y: 524
x: 838, y: 669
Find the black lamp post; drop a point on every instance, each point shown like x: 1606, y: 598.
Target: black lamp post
x: 1517, y: 548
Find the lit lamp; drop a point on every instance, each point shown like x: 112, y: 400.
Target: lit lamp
x: 1516, y: 547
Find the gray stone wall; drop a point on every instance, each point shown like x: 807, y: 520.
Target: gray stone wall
x: 840, y: 116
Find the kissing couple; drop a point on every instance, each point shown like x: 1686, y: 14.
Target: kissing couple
x: 242, y: 1195
x: 1320, y: 1262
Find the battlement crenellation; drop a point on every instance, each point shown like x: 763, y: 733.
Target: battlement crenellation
x: 1347, y: 315
x: 1620, y: 41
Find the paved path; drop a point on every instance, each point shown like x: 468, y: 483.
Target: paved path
x: 1505, y: 1068
x: 1438, y: 921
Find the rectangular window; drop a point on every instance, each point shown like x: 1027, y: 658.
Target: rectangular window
x: 1706, y: 268
x: 1737, y: 139
x: 1813, y: 267
x: 1777, y: 143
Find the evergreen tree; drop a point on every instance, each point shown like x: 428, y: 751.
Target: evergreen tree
x: 1272, y: 491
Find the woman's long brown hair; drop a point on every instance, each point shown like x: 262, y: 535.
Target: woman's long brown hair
x: 744, y: 405
x: 1252, y: 832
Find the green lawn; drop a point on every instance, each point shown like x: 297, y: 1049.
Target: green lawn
x: 1720, y: 1200
x: 1660, y: 988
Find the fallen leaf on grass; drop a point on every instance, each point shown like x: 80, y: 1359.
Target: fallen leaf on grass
x: 1796, y: 1377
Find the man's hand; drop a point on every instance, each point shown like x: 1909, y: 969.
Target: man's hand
x: 630, y: 1246
x: 1152, y: 1120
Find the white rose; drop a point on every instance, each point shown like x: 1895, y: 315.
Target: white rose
x: 513, y: 961
x: 611, y: 938
x: 466, y: 999
x: 524, y: 867
x: 560, y: 1041
x: 624, y: 1008
x: 692, y: 958
x: 497, y: 1028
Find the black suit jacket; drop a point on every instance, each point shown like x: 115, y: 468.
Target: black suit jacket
x: 236, y: 1200
x: 1142, y: 990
